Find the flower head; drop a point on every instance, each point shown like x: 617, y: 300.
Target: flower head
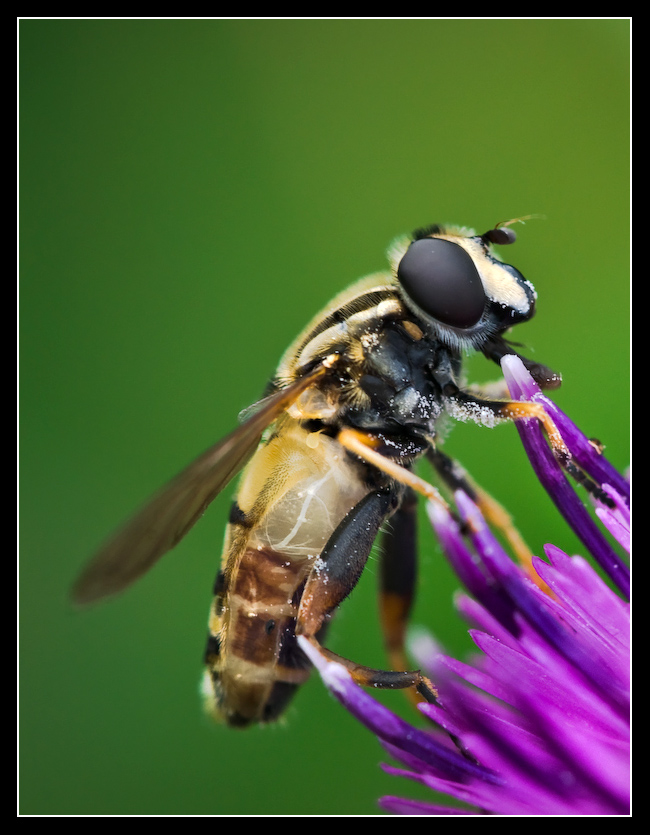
x: 539, y: 724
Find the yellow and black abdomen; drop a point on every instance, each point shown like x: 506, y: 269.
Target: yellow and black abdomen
x: 294, y: 492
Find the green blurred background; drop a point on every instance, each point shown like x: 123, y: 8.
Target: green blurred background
x: 191, y: 193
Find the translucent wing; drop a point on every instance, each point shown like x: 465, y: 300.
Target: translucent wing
x: 165, y: 520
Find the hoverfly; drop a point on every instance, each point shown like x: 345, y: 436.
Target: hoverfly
x: 328, y: 456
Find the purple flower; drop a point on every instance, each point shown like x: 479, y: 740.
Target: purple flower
x: 539, y: 724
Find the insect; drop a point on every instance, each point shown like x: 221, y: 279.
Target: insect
x: 328, y: 457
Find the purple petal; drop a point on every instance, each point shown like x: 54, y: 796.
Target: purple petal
x: 477, y: 794
x: 387, y: 725
x: 518, y: 379
x: 480, y: 617
x: 602, y: 608
x: 587, y: 455
x: 483, y: 680
x: 404, y: 806
x: 616, y: 519
x: 473, y: 576
x: 545, y: 708
x: 551, y: 476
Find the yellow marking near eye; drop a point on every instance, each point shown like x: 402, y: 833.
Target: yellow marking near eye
x: 413, y: 330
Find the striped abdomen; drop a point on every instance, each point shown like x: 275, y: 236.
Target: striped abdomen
x: 294, y: 492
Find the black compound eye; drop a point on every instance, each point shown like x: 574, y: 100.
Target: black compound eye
x: 440, y: 277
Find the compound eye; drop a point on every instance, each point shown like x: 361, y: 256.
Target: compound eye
x: 440, y: 277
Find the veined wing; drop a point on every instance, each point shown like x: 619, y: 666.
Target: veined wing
x: 170, y: 514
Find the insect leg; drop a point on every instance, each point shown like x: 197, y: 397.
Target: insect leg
x: 397, y: 574
x: 475, y: 408
x: 455, y: 476
x: 339, y: 566
x: 365, y: 446
x: 478, y: 409
x: 497, y: 347
x: 397, y: 577
x: 333, y: 577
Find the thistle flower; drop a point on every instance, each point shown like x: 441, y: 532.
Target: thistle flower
x: 540, y: 722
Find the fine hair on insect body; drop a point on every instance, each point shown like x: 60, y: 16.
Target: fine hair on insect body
x: 327, y: 457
